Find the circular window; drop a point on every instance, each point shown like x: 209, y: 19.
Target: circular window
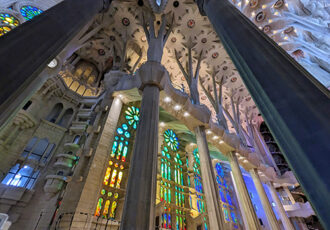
x: 191, y: 23
x: 260, y: 16
x: 173, y: 39
x: 101, y: 52
x: 288, y: 30
x: 253, y: 3
x: 278, y: 4
x: 125, y: 21
x: 234, y: 79
x: 266, y: 29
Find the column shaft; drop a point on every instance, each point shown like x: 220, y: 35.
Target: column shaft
x: 294, y: 104
x: 285, y: 220
x: 208, y: 179
x: 251, y: 216
x: 26, y: 50
x: 273, y: 223
x: 141, y: 188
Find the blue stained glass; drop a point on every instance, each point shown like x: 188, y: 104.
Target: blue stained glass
x: 29, y: 12
x: 127, y: 134
x: 125, y: 127
x: 116, y: 138
x: 125, y: 151
x: 120, y: 131
x: 121, y: 138
x: 229, y: 199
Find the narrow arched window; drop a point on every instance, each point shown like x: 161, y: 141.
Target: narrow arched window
x: 66, y: 118
x: 53, y: 115
x: 27, y: 105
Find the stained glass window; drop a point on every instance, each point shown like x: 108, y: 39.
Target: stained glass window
x: 107, y: 176
x: 29, y: 12
x: 8, y: 19
x: 132, y: 116
x: 4, y: 30
x: 99, y: 207
x: 171, y: 139
x: 106, y: 209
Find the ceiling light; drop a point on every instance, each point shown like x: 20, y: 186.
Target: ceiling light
x: 177, y: 107
x: 167, y: 99
x: 162, y: 124
x: 208, y: 131
x: 186, y: 114
x: 215, y: 137
x: 221, y: 142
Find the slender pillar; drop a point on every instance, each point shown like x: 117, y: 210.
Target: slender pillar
x: 208, y: 179
x: 285, y: 220
x: 289, y: 194
x: 273, y: 223
x: 294, y: 104
x: 141, y: 188
x: 245, y: 223
x: 250, y: 214
x: 26, y: 50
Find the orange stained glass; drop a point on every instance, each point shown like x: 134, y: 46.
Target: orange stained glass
x: 113, y: 209
x: 107, y: 176
x: 113, y: 178
x: 120, y: 176
x: 106, y: 209
x: 98, y: 207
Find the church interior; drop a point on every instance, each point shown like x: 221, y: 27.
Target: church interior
x: 164, y: 114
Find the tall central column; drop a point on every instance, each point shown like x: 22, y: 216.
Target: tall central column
x: 264, y: 200
x: 208, y: 179
x: 250, y: 214
x: 141, y: 188
x: 294, y: 104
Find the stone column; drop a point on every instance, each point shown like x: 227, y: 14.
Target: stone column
x: 273, y: 223
x: 289, y: 194
x: 23, y: 58
x: 250, y: 214
x: 294, y: 104
x: 141, y: 187
x: 212, y: 198
x: 285, y: 220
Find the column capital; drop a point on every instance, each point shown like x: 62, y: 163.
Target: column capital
x: 153, y: 73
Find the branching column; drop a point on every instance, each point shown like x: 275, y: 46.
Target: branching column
x: 208, y: 179
x: 250, y: 214
x: 285, y: 220
x: 294, y: 104
x: 141, y: 188
x: 264, y: 200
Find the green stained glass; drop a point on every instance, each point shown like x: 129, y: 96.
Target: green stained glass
x: 127, y: 134
x: 171, y: 139
x: 125, y: 127
x: 29, y: 12
x: 132, y: 116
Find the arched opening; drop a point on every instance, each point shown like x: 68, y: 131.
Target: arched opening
x: 66, y: 118
x: 53, y: 115
x: 27, y: 105
x: 76, y: 139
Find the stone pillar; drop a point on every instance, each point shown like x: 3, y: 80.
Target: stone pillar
x: 23, y: 58
x: 273, y: 223
x: 245, y: 223
x: 212, y: 198
x: 289, y: 194
x: 250, y: 214
x: 139, y: 207
x: 294, y: 104
x: 285, y: 220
